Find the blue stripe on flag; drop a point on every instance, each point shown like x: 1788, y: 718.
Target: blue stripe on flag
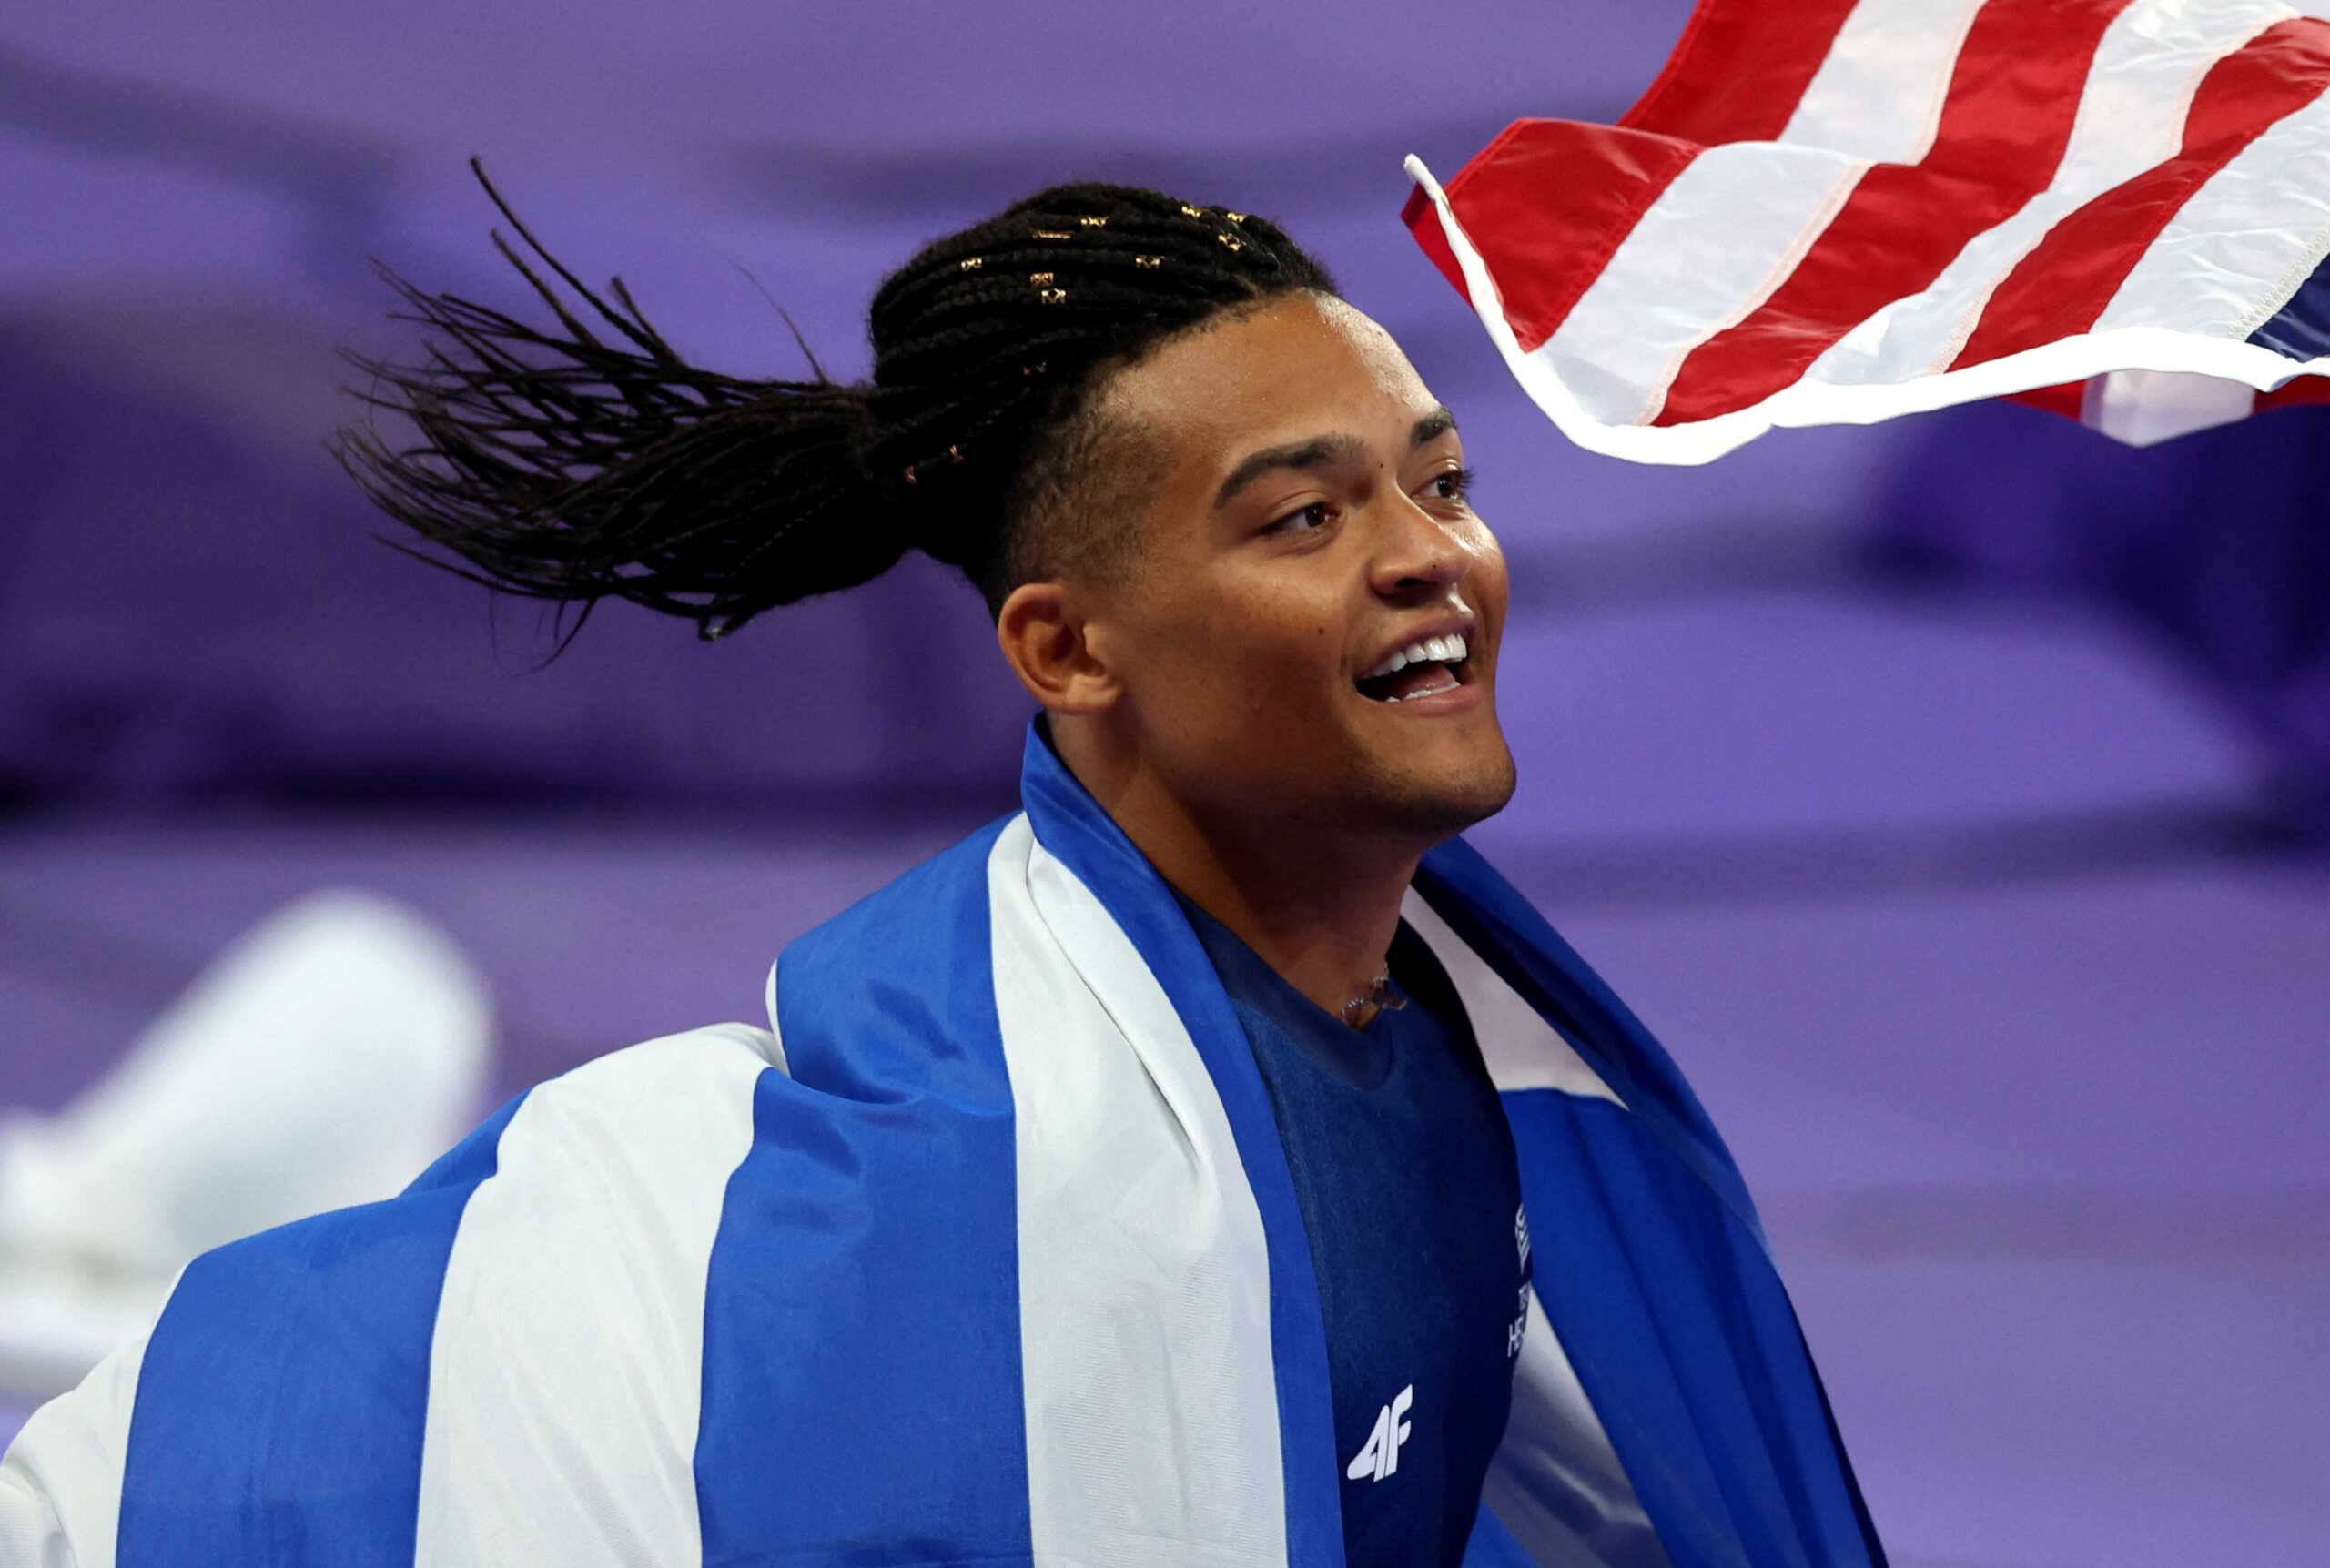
x: 1070, y: 824
x: 1684, y: 1339
x: 2300, y: 329
x: 1667, y: 1299
x: 1529, y: 954
x: 283, y: 1397
x: 862, y: 1393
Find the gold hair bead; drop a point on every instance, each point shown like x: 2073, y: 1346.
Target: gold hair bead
x: 1229, y: 239
x: 910, y: 478
x: 1052, y: 295
x: 1093, y: 222
x: 1148, y: 261
x: 956, y: 453
x: 1052, y: 234
x: 972, y: 263
x: 1189, y: 211
x: 1035, y: 369
x: 1040, y: 280
x: 1234, y: 217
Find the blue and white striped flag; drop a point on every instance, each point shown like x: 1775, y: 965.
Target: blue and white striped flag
x: 986, y: 1252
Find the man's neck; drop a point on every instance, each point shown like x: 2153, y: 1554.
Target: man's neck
x: 1318, y: 903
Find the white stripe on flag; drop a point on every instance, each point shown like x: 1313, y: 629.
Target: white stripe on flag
x: 1144, y: 1275
x: 2132, y: 114
x: 566, y: 1371
x: 1732, y: 227
x: 1879, y: 93
x: 1711, y: 249
x: 1521, y: 1050
x: 60, y: 1485
x: 2241, y: 246
x: 1814, y: 402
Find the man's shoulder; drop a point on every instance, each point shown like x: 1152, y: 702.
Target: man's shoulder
x: 888, y: 992
x: 626, y: 1090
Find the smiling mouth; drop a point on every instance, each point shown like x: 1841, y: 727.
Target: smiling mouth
x: 1423, y: 669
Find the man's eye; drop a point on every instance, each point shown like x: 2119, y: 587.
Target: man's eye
x: 1317, y: 515
x: 1456, y: 485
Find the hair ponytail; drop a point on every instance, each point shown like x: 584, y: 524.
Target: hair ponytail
x: 594, y: 462
x: 591, y: 462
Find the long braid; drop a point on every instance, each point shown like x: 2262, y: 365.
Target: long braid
x: 591, y: 462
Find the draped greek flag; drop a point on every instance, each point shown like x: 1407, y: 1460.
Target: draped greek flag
x: 984, y: 1252
x: 1838, y: 211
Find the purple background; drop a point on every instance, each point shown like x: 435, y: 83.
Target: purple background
x: 1948, y: 793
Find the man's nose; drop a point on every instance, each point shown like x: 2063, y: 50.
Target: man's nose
x: 1421, y: 553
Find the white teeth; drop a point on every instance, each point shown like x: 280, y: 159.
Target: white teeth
x: 1449, y: 649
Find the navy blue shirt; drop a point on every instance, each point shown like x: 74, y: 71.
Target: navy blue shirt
x: 1404, y: 1171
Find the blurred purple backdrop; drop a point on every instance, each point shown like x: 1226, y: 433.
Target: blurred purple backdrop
x: 1949, y: 793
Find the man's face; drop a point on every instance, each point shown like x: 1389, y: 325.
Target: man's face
x: 1310, y: 531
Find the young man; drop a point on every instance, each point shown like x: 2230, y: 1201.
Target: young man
x: 1215, y: 1163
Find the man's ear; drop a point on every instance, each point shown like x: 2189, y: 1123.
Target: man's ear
x: 1045, y: 633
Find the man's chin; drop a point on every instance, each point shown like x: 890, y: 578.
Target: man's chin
x: 1439, y: 804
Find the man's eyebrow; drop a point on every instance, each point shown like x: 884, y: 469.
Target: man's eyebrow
x: 1433, y: 426
x: 1319, y: 452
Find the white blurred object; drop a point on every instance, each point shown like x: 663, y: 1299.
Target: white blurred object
x: 2145, y: 408
x: 324, y: 1059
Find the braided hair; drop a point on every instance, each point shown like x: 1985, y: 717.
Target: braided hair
x: 587, y: 460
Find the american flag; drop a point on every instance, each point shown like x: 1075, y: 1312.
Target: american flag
x: 1839, y: 211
